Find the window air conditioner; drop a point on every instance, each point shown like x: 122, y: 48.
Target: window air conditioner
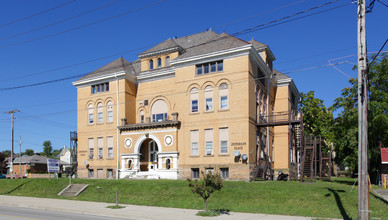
x: 90, y: 156
x: 208, y: 152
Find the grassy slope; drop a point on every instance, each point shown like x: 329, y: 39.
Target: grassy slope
x: 328, y: 199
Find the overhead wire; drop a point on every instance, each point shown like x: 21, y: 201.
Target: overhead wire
x: 60, y: 21
x: 39, y: 13
x: 82, y: 26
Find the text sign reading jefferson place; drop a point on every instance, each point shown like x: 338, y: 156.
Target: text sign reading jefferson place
x: 52, y: 166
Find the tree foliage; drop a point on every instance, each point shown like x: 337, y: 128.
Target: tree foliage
x: 3, y: 163
x: 47, y: 149
x: 208, y: 184
x: 346, y: 124
x: 28, y: 152
x: 317, y: 119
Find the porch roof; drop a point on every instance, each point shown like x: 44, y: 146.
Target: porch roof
x: 143, y: 126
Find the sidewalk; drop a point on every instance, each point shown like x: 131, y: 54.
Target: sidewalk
x: 130, y: 211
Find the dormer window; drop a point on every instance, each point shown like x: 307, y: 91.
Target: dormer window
x: 167, y: 61
x: 151, y: 64
x: 159, y: 62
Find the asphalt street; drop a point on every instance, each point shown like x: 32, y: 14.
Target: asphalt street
x: 14, y: 213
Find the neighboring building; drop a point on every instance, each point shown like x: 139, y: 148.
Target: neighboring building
x: 384, y: 164
x: 30, y: 164
x: 65, y: 160
x: 187, y: 105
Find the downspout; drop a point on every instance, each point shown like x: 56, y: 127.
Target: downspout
x: 117, y: 125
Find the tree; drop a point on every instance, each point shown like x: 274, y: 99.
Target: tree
x: 3, y: 163
x: 346, y: 124
x: 208, y: 184
x: 55, y: 153
x: 47, y: 149
x: 317, y: 119
x: 7, y: 153
x: 28, y: 152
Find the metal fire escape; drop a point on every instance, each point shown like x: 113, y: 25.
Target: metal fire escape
x: 294, y: 120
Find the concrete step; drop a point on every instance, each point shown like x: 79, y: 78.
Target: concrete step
x: 73, y: 190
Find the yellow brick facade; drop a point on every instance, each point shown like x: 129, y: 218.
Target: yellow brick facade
x: 177, y: 147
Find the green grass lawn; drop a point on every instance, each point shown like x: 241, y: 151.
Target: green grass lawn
x: 319, y: 199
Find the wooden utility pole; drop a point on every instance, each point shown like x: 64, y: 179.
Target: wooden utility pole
x: 363, y: 190
x: 11, y: 168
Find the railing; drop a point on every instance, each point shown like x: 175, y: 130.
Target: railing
x: 278, y: 117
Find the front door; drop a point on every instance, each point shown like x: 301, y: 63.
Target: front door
x: 153, y: 155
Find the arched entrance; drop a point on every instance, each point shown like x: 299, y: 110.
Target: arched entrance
x: 148, y: 152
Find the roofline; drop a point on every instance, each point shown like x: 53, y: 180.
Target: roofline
x: 150, y: 54
x: 121, y: 74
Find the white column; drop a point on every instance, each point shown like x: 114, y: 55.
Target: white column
x: 175, y: 162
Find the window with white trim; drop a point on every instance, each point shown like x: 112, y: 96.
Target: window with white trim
x: 224, y: 94
x: 208, y: 141
x: 109, y: 145
x: 159, y: 111
x: 102, y: 87
x: 224, y: 173
x: 100, y: 113
x: 109, y: 111
x: 211, y: 67
x: 194, y: 139
x: 224, y: 136
x: 194, y: 100
x: 91, y: 148
x: 208, y: 98
x: 90, y: 114
x: 100, y: 146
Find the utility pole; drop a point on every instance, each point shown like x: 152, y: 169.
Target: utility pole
x: 11, y: 169
x: 20, y: 155
x: 363, y: 189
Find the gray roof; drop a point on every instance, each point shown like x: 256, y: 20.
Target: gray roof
x: 31, y: 159
x: 220, y: 42
x: 280, y: 75
x: 117, y: 65
x: 257, y: 45
x: 195, y: 39
x: 165, y: 45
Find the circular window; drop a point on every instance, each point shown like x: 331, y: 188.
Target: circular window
x: 168, y: 140
x: 128, y: 142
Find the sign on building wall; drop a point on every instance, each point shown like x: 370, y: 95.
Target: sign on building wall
x: 52, y: 166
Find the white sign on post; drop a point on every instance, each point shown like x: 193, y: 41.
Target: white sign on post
x: 52, y: 166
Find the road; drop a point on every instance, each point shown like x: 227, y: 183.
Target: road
x: 14, y: 213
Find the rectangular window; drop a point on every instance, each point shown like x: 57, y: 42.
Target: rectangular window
x: 109, y: 173
x: 91, y: 173
x: 195, y: 173
x: 199, y: 70
x: 224, y: 136
x: 91, y: 148
x: 194, y: 138
x: 224, y: 173
x: 213, y: 67
x: 209, y: 104
x: 141, y: 118
x: 100, y: 145
x: 209, y: 142
x: 194, y: 106
x: 103, y: 87
x: 224, y: 102
x: 209, y: 67
x: 159, y: 117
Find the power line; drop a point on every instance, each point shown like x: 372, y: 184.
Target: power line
x: 39, y: 13
x: 58, y: 22
x: 383, y: 3
x: 83, y: 26
x: 264, y: 26
x: 382, y: 47
x: 259, y: 14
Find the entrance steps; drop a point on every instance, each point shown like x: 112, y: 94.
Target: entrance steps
x: 73, y: 190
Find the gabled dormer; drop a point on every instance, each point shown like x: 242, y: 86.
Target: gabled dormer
x: 264, y: 51
x: 160, y: 56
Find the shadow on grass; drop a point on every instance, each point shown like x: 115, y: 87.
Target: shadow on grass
x: 379, y: 198
x: 339, y: 202
x: 13, y: 190
x: 346, y: 182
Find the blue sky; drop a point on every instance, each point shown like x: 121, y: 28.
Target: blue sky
x: 32, y: 53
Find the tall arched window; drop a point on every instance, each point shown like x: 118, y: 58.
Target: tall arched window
x: 224, y: 96
x: 167, y: 61
x: 209, y: 98
x: 109, y: 111
x: 100, y: 113
x: 141, y: 116
x: 159, y: 62
x: 159, y: 110
x: 194, y: 100
x: 151, y: 64
x: 90, y: 114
